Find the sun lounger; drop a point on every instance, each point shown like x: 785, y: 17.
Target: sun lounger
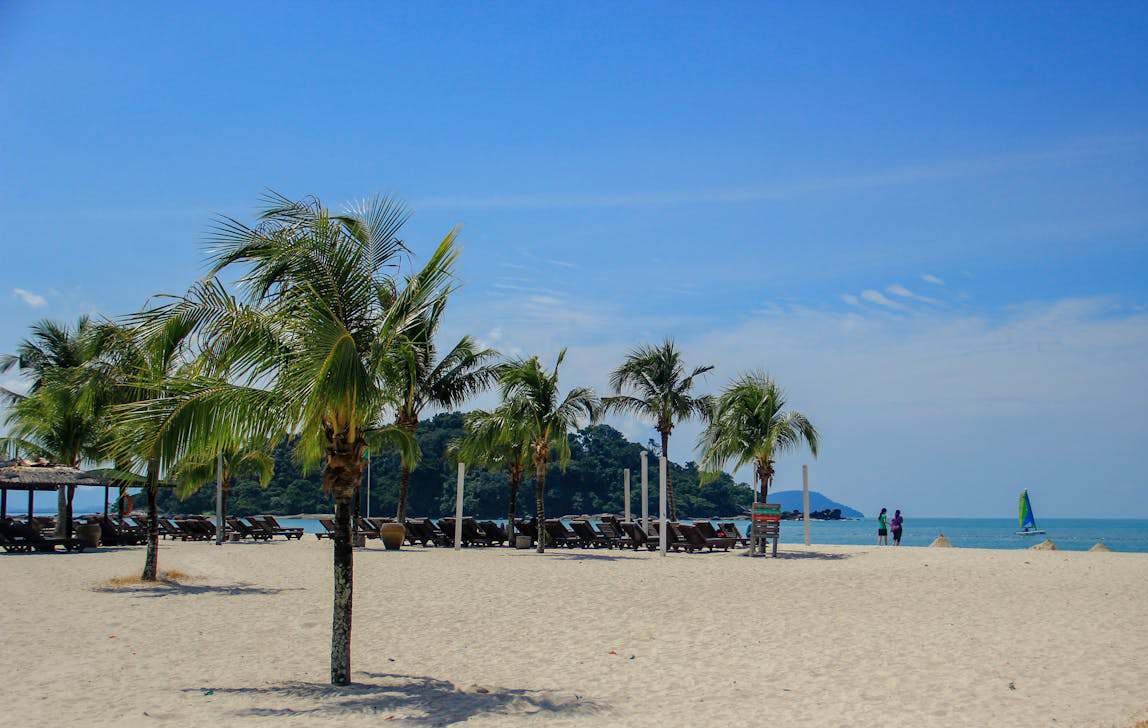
x: 675, y: 540
x: 278, y: 530
x: 695, y: 537
x: 527, y: 527
x: 493, y: 531
x: 731, y: 531
x: 245, y: 530
x: 613, y: 534
x: 712, y: 537
x: 636, y: 537
x: 420, y: 531
x: 367, y: 528
x: 558, y: 535
x: 588, y: 536
x: 328, y: 531
x: 22, y: 538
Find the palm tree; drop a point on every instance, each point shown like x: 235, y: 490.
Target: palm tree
x: 498, y: 439
x: 662, y: 393
x: 419, y: 382
x: 305, y: 350
x: 534, y: 395
x: 52, y: 421
x: 196, y: 471
x: 750, y: 426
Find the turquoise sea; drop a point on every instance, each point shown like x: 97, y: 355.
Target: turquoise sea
x: 1070, y: 534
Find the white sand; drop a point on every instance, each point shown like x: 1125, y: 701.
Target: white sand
x: 841, y: 636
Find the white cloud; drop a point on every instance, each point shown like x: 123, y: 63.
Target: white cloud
x: 880, y: 299
x: 545, y: 300
x: 850, y: 299
x: 562, y: 263
x: 930, y: 278
x: 898, y: 290
x: 35, y: 300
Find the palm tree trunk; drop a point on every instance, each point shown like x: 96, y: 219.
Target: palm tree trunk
x: 540, y: 505
x: 341, y: 477
x: 671, y: 502
x: 404, y: 487
x: 151, y: 559
x: 512, y: 504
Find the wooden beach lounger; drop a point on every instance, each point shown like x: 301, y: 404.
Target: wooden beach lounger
x: 731, y: 531
x: 558, y: 535
x: 696, y: 535
x: 493, y: 531
x: 712, y: 538
x: 588, y: 536
x: 270, y: 522
x: 636, y: 536
x: 328, y: 531
x: 255, y: 533
x: 22, y: 538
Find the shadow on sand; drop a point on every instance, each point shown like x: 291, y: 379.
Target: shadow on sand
x: 172, y: 588
x: 571, y: 555
x: 418, y: 700
x: 803, y: 555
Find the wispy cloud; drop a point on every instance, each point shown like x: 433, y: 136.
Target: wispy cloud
x: 930, y: 278
x: 562, y: 263
x: 850, y: 299
x: 932, y: 171
x: 35, y: 300
x: 880, y: 299
x: 898, y: 290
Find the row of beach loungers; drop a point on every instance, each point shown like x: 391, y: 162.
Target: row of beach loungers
x: 581, y: 533
x: 20, y: 534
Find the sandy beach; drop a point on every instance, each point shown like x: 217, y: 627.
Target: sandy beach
x: 830, y: 636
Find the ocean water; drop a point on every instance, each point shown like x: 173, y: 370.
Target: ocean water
x: 1070, y: 534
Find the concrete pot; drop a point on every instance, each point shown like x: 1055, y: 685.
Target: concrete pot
x: 393, y: 535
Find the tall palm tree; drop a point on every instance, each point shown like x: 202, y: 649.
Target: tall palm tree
x: 498, y: 439
x: 197, y: 470
x: 548, y: 418
x: 304, y: 350
x: 750, y: 426
x: 418, y: 381
x: 662, y: 392
x: 51, y: 420
x: 133, y: 365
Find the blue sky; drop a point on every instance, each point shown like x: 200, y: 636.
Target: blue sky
x: 928, y: 221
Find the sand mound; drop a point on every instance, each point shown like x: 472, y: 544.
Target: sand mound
x: 1045, y: 545
x: 941, y: 542
x: 1099, y: 547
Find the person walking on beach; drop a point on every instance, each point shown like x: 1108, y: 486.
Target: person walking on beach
x: 883, y: 527
x: 897, y: 523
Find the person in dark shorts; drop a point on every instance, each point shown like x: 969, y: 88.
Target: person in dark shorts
x: 883, y: 527
x: 897, y: 524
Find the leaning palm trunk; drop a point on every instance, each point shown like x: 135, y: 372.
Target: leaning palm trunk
x: 151, y: 559
x: 341, y: 477
x: 671, y: 502
x: 540, y: 505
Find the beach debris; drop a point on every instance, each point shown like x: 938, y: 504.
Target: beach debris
x: 207, y: 691
x: 941, y: 542
x: 612, y: 652
x: 1099, y: 547
x: 1011, y: 685
x: 1045, y: 545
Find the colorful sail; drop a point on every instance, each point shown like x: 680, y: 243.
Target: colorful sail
x: 1027, y: 520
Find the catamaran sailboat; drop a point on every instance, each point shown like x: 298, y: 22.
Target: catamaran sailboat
x: 1026, y: 518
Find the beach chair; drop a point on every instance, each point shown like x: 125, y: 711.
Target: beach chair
x: 493, y: 531
x: 675, y: 540
x: 613, y: 534
x: 695, y: 535
x: 712, y: 537
x: 367, y: 528
x: 245, y: 530
x: 328, y: 531
x: 527, y: 527
x: 419, y: 533
x: 587, y: 536
x: 170, y: 531
x: 730, y: 530
x: 636, y: 537
x: 558, y: 535
x: 22, y: 538
x: 293, y: 532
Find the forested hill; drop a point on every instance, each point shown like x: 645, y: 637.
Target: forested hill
x: 591, y: 484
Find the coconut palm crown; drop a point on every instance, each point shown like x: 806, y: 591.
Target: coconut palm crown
x: 498, y: 439
x: 662, y: 392
x: 750, y: 425
x: 532, y: 391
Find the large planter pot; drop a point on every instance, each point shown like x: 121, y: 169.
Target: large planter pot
x: 89, y: 534
x: 393, y: 535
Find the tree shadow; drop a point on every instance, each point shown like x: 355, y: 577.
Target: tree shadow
x: 419, y: 700
x: 172, y: 588
x: 803, y: 555
x: 591, y: 556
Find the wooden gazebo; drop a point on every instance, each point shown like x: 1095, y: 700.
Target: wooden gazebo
x: 40, y: 475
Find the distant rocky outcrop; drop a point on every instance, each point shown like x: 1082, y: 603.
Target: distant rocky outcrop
x: 790, y: 502
x: 941, y: 542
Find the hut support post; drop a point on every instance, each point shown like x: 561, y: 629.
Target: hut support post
x: 626, y: 493
x: 662, y: 505
x: 645, y: 494
x: 805, y: 499
x: 31, y: 501
x: 107, y: 495
x: 219, y: 499
x: 458, y: 507
x: 3, y: 503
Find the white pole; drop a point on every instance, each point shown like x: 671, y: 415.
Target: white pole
x: 458, y: 508
x: 219, y: 499
x: 368, y: 483
x: 662, y: 505
x: 626, y: 493
x: 645, y: 494
x: 805, y: 498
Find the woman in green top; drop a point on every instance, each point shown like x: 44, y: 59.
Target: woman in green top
x: 883, y: 528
